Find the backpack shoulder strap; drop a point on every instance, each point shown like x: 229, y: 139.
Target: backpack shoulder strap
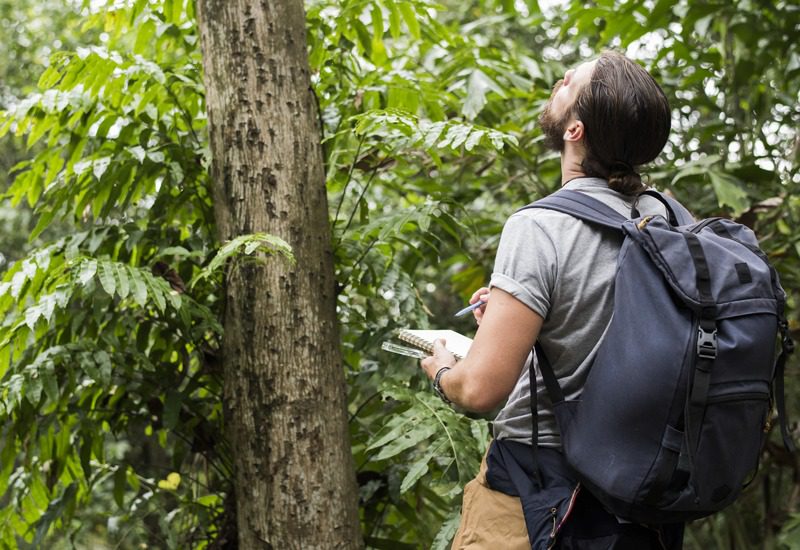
x: 588, y: 209
x: 581, y: 206
x: 678, y: 214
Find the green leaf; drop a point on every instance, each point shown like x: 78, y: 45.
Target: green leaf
x: 120, y: 485
x: 39, y: 129
x: 123, y: 284
x: 49, y: 381
x: 246, y: 244
x: 138, y: 287
x: 406, y: 99
x: 5, y: 123
x: 54, y: 513
x: 99, y: 166
x: 104, y: 367
x: 209, y: 501
x: 418, y: 469
x: 156, y: 294
x: 85, y: 454
x: 415, y: 434
x: 14, y: 389
x: 364, y: 37
x: 33, y: 389
x: 432, y: 133
x: 410, y: 17
x: 144, y: 36
x: 378, y: 49
x: 44, y: 221
x: 171, y: 483
x: 477, y: 88
x: 49, y: 77
x: 474, y: 139
x: 394, y: 19
x: 729, y: 192
x: 171, y: 14
x: 88, y: 268
x: 107, y: 280
x: 32, y: 314
x: 456, y: 136
x: 178, y: 251
x: 446, y: 532
x: 133, y: 480
x: 377, y: 23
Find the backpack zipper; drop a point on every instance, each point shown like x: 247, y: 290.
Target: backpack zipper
x: 761, y: 396
x: 554, y: 514
x: 557, y: 525
x: 703, y: 224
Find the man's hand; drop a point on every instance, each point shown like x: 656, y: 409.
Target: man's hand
x: 440, y: 358
x: 482, y: 294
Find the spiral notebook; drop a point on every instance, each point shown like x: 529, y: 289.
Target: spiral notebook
x: 457, y: 344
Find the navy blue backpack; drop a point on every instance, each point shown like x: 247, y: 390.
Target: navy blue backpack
x: 677, y: 404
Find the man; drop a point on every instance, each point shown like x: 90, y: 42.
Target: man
x: 553, y: 283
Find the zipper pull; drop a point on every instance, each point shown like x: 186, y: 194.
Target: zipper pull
x: 554, y: 513
x: 641, y: 225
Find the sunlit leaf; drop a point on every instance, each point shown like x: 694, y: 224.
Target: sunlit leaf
x: 171, y: 483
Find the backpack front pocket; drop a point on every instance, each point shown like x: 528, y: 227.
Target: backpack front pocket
x: 743, y: 411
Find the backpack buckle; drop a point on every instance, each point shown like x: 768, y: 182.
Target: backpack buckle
x: 707, y: 344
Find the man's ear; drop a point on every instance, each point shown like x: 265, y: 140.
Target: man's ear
x: 574, y: 131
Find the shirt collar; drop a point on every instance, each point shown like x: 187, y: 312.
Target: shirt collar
x: 586, y: 182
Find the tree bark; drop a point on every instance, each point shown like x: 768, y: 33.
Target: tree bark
x: 285, y: 394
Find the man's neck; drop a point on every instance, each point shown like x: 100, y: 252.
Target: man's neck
x: 571, y: 167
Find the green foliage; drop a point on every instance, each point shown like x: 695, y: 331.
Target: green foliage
x: 110, y: 368
x: 111, y: 420
x: 417, y: 123
x: 236, y: 248
x: 29, y: 33
x: 420, y: 437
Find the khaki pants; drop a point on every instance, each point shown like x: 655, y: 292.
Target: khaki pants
x: 490, y: 520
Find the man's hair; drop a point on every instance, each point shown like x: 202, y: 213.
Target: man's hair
x: 626, y: 118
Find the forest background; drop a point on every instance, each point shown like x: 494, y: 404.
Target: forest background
x: 111, y: 421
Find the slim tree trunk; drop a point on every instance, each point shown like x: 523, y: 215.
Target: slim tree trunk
x: 285, y: 395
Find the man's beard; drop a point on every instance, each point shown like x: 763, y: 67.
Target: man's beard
x: 553, y: 126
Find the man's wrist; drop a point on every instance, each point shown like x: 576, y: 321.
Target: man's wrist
x: 437, y: 384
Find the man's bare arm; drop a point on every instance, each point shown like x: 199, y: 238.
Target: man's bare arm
x: 484, y: 379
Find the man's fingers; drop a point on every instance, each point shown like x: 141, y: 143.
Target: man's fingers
x: 478, y: 313
x: 481, y: 294
x: 442, y: 356
x: 439, y: 346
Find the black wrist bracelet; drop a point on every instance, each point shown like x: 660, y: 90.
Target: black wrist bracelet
x: 437, y: 384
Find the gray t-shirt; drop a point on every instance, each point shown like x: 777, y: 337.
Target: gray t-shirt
x: 563, y: 269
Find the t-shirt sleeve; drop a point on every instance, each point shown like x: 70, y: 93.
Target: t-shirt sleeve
x: 526, y: 262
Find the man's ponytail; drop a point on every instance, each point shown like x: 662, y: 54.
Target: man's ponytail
x: 622, y: 177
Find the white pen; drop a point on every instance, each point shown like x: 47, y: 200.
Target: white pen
x: 469, y: 308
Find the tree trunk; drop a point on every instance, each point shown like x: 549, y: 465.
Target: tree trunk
x: 285, y: 395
